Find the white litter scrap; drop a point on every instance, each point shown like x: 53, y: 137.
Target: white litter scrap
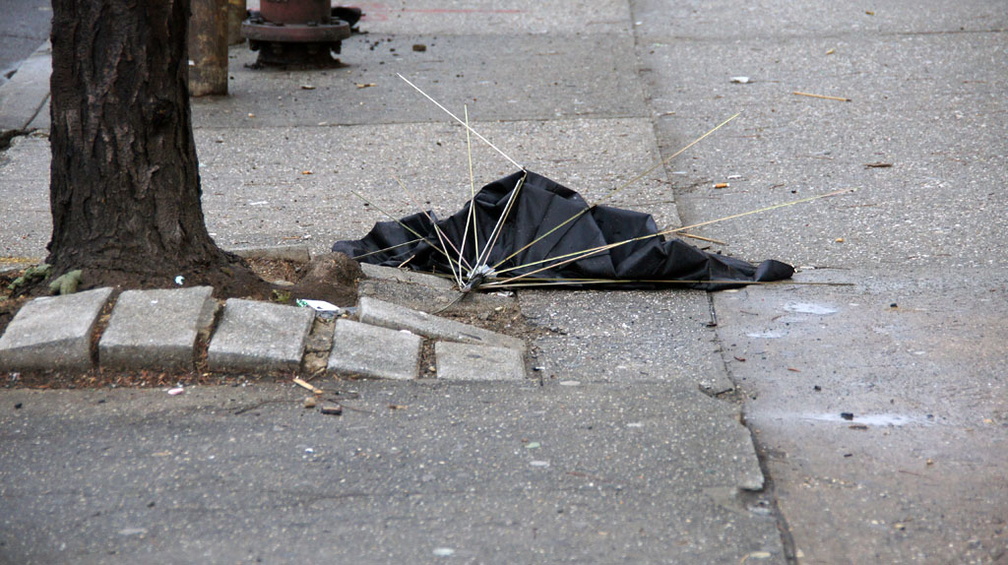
x: 319, y: 305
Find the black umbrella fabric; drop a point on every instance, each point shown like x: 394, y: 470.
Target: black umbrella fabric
x: 550, y: 235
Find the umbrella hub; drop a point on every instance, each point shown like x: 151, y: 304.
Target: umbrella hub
x: 476, y: 277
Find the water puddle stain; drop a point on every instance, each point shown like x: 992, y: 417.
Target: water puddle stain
x: 810, y: 308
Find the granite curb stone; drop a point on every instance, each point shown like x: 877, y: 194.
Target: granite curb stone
x: 259, y: 337
x: 156, y: 329
x: 53, y: 332
x: 401, y: 275
x: 468, y: 362
x: 380, y: 313
x: 374, y: 351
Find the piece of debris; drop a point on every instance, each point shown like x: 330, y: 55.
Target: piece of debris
x: 822, y: 96
x: 180, y: 280
x: 310, y: 402
x: 847, y: 415
x: 31, y: 274
x: 721, y: 185
x: 365, y: 84
x: 331, y: 408
x: 858, y: 426
x: 176, y: 391
x: 740, y: 80
x: 66, y: 283
x: 305, y: 384
x: 543, y: 206
x: 326, y: 309
x: 18, y: 406
x: 307, y: 87
x: 419, y: 47
x: 878, y: 165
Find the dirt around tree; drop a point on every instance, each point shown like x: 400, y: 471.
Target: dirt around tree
x: 331, y: 277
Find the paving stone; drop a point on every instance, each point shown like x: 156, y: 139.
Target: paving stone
x: 53, y: 333
x: 374, y: 351
x: 259, y: 337
x: 467, y: 362
x: 430, y: 299
x: 380, y: 313
x: 156, y: 329
x: 378, y: 272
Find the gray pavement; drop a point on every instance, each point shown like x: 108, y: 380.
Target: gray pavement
x: 25, y: 25
x: 874, y: 420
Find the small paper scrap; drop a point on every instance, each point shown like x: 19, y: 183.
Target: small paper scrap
x: 319, y: 305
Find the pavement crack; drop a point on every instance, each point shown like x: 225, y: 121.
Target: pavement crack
x: 770, y: 492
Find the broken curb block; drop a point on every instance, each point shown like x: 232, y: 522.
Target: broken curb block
x: 403, y: 276
x: 156, y: 329
x: 379, y: 313
x: 259, y: 337
x: 53, y: 333
x: 296, y: 253
x: 467, y: 362
x: 430, y: 299
x: 373, y: 351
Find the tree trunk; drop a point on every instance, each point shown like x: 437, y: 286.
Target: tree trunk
x: 125, y: 189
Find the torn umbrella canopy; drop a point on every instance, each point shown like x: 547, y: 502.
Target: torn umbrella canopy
x: 550, y: 236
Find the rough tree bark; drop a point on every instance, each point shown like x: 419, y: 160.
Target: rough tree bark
x: 125, y: 190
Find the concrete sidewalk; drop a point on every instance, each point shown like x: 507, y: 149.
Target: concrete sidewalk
x: 875, y: 414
